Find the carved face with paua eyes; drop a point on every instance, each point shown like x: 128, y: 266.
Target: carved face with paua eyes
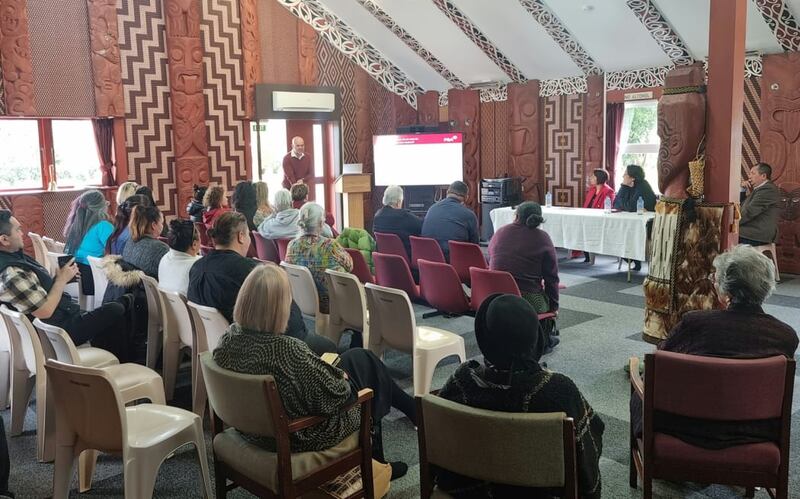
x: 790, y: 201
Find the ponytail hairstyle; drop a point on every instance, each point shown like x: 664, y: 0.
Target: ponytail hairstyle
x: 182, y: 234
x: 141, y: 220
x: 123, y: 218
x: 529, y: 214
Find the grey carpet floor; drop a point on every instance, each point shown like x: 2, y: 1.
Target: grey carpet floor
x: 600, y: 323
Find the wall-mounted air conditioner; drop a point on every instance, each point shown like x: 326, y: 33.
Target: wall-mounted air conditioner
x: 303, y: 102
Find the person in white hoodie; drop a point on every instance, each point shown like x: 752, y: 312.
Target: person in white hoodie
x: 173, y: 269
x: 282, y: 224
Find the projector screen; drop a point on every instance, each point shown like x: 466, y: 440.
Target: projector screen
x: 418, y: 159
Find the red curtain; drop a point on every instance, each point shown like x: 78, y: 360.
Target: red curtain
x: 614, y: 115
x: 104, y: 138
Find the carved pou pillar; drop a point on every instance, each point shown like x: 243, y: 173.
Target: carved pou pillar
x: 681, y: 127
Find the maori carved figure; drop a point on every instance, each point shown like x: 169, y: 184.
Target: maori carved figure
x: 30, y: 213
x: 186, y: 65
x: 681, y: 126
x: 780, y: 148
x: 183, y: 17
x: 403, y: 113
x: 189, y: 125
x: 190, y: 171
x: 106, y: 66
x: 16, y: 58
x: 464, y: 109
x: 525, y: 151
x: 307, y: 38
x: 593, y: 124
x: 428, y: 108
x: 251, y: 52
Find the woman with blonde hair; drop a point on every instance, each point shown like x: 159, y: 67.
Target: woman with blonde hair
x: 308, y: 386
x: 263, y: 209
x: 216, y: 204
x: 126, y: 190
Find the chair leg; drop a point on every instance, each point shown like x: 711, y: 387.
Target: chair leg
x: 21, y: 391
x: 220, y: 482
x: 172, y: 357
x: 200, y: 447
x: 62, y: 475
x: 647, y: 487
x: 633, y: 476
x: 87, y: 462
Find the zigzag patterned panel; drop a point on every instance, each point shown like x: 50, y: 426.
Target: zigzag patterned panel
x: 224, y: 90
x: 336, y: 70
x: 750, y: 124
x: 148, y: 127
x: 563, y: 148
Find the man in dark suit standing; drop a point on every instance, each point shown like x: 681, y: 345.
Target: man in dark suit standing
x: 760, y: 210
x: 297, y: 165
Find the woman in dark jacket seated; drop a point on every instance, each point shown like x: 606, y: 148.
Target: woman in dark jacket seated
x: 510, y: 379
x: 308, y: 386
x: 634, y: 186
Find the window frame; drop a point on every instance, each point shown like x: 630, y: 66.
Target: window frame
x: 46, y: 154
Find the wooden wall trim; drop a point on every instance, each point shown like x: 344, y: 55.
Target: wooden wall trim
x: 251, y: 54
x: 106, y: 63
x: 525, y: 149
x: 593, y: 121
x: 15, y: 56
x: 428, y: 108
x: 464, y: 107
x: 307, y: 50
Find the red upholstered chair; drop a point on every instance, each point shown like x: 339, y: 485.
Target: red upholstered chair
x: 465, y: 255
x: 360, y: 267
x: 441, y: 288
x: 391, y: 271
x: 265, y: 248
x: 282, y: 245
x: 486, y: 282
x: 204, y: 239
x: 391, y: 244
x: 731, y: 390
x: 425, y: 248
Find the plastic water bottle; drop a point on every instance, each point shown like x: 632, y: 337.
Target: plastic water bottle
x: 548, y: 199
x: 640, y: 205
x: 607, y: 205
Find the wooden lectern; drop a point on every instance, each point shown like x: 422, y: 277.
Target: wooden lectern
x: 353, y: 186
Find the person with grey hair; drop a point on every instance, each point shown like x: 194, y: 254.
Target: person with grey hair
x: 283, y: 222
x: 743, y: 279
x: 393, y: 219
x: 317, y: 253
x: 449, y: 220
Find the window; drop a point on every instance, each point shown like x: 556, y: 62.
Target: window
x: 75, y: 150
x: 640, y: 141
x: 271, y: 136
x: 29, y: 146
x: 20, y: 163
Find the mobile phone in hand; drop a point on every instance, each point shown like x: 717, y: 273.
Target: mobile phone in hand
x: 65, y: 260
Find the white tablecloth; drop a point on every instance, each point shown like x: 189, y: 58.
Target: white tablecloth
x: 620, y: 234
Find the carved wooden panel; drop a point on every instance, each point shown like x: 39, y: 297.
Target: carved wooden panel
x: 780, y: 148
x: 29, y: 211
x: 185, y: 55
x: 593, y: 143
x: 464, y: 109
x: 428, y: 108
x: 363, y: 132
x: 278, y: 41
x: 525, y: 152
x: 404, y: 114
x: 106, y: 65
x: 251, y: 52
x: 307, y: 48
x: 15, y: 57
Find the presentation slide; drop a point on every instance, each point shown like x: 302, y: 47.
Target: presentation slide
x: 418, y: 159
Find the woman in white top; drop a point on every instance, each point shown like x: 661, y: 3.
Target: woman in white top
x: 282, y: 224
x: 184, y: 243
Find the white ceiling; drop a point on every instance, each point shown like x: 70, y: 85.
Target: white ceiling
x: 606, y: 29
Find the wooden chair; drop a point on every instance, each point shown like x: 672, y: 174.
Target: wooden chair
x: 523, y: 449
x: 712, y: 389
x: 251, y: 404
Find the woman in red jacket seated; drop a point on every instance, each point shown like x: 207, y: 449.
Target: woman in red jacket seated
x: 596, y: 196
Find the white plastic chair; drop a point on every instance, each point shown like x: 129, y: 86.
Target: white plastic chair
x: 53, y: 245
x: 348, y: 305
x: 100, y: 280
x: 39, y: 249
x: 91, y: 415
x: 393, y: 325
x: 74, y: 289
x: 154, y: 320
x: 178, y: 335
x: 5, y: 366
x: 209, y: 325
x: 772, y: 250
x: 304, y: 293
x: 23, y: 370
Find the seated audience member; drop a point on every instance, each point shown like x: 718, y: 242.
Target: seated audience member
x: 596, y: 196
x: 308, y: 386
x: 264, y: 209
x: 215, y: 279
x: 116, y: 242
x: 28, y: 288
x: 184, y: 244
x: 450, y: 220
x: 215, y: 203
x: 634, y: 186
x: 147, y: 192
x: 743, y: 279
x: 126, y: 190
x: 527, y: 252
x: 195, y: 207
x: 300, y: 197
x: 510, y: 379
x: 282, y: 224
x: 244, y: 201
x: 393, y: 219
x: 761, y: 209
x: 87, y: 230
x: 316, y: 252
x: 144, y: 251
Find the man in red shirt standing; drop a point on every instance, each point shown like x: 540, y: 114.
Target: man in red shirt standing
x: 297, y: 165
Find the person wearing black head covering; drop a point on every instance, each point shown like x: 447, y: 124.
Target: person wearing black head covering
x: 244, y: 201
x: 510, y: 379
